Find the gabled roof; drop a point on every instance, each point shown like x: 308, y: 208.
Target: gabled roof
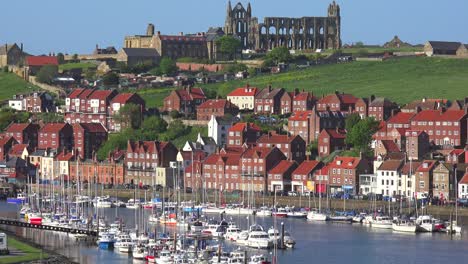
x: 268, y: 93
x: 282, y: 167
x: 426, y: 165
x: 445, y: 45
x: 241, y: 127
x: 100, y: 94
x: 18, y: 149
x: 457, y: 152
x: 41, y: 60
x: 464, y: 179
x: 4, y: 140
x: 391, y: 165
x: 8, y: 48
x: 380, y: 101
x: 345, y: 162
x: 189, y: 94
x: 92, y: 127
x: 244, y: 91
x: 52, y: 127
x: 335, y: 133
x: 274, y: 138
x: 301, y: 115
x: 216, y: 104
x: 401, y: 118
x: 438, y: 115
x: 122, y: 98
x: 390, y: 146
x: 17, y: 127
x: 62, y: 156
x: 227, y: 159
x: 342, y: 97
x: 260, y: 152
x: 306, y: 167
x: 414, y: 165
x: 302, y: 96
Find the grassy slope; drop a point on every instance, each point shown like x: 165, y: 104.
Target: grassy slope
x: 402, y: 80
x: 192, y: 136
x: 11, y: 84
x: 77, y: 65
x: 30, y: 253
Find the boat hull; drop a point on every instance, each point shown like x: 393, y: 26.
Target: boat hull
x: 404, y: 228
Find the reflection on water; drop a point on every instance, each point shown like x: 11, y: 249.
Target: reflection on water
x: 316, y: 242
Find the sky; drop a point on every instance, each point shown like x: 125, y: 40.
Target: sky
x: 77, y: 26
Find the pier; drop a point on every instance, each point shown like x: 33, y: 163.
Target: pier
x: 16, y: 222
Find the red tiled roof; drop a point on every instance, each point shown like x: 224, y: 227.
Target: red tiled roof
x: 4, y: 140
x: 194, y: 93
x: 85, y: 93
x: 92, y: 127
x: 457, y: 152
x: 18, y: 149
x: 100, y: 94
x: 243, y: 126
x: 41, y: 60
x: 228, y: 159
x: 401, y: 118
x: 122, y: 98
x: 75, y: 93
x: 260, y: 152
x: 436, y: 115
x: 343, y: 98
x: 16, y: 127
x: 426, y: 165
x: 306, y: 167
x: 464, y: 180
x: 282, y: 167
x: 244, y: 91
x: 275, y: 138
x: 336, y: 134
x: 301, y: 115
x: 52, y: 127
x: 345, y: 162
x: 215, y: 104
x: 302, y: 96
x: 65, y: 156
x: 197, y: 155
x: 323, y: 170
x: 391, y: 165
x: 390, y: 146
x: 406, y: 168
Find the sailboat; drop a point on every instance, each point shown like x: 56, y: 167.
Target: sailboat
x: 453, y: 226
x: 314, y: 215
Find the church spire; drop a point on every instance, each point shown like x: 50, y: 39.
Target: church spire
x: 249, y: 10
x: 229, y: 8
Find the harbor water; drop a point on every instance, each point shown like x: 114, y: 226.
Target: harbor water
x: 315, y: 242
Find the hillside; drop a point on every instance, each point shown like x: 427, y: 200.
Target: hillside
x: 402, y: 80
x: 10, y: 84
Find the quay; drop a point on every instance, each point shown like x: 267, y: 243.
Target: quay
x: 15, y: 222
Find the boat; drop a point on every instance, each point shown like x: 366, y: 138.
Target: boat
x: 232, y: 233
x: 139, y: 252
x: 259, y: 259
x: 259, y: 240
x: 164, y: 257
x: 133, y: 204
x: 291, y: 213
x: 124, y: 243
x: 106, y: 240
x: 20, y: 198
x: 216, y: 229
x: 34, y: 218
x: 264, y: 211
x: 275, y: 236
x: 454, y: 228
x: 316, y: 216
x: 280, y: 212
x: 359, y: 218
x: 103, y: 202
x: 340, y: 218
x: 239, y: 211
x: 405, y: 226
x: 425, y: 223
x: 382, y: 222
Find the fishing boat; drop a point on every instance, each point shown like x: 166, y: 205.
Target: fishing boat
x: 139, y: 252
x: 280, y: 212
x: 106, y: 240
x: 405, y: 226
x: 382, y: 222
x: 425, y: 223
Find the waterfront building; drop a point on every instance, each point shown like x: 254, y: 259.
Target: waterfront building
x: 309, y: 175
x: 293, y: 147
x: 463, y: 186
x: 389, y: 181
x: 279, y: 178
x: 218, y: 128
x: 424, y: 176
x: 344, y: 173
x: 243, y: 133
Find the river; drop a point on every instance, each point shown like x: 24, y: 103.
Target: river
x: 316, y: 243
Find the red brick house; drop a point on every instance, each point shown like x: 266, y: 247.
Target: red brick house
x: 445, y: 128
x: 57, y: 136
x: 14, y: 170
x: 35, y: 102
x: 309, y: 124
x: 88, y: 137
x: 302, y: 101
x: 344, y: 173
x: 143, y: 157
x: 286, y: 105
x: 35, y: 63
x: 268, y: 101
x: 386, y: 147
x: 110, y: 171
x: 243, y: 133
x: 220, y: 171
x: 217, y: 108
x: 185, y: 100
x: 381, y: 108
x: 293, y: 147
x: 424, y: 177
x: 330, y: 140
x: 456, y: 156
x: 303, y: 174
x: 400, y: 120
x: 120, y: 101
x: 279, y: 178
x: 361, y: 107
x: 417, y: 144
x: 255, y: 163
x: 20, y: 151
x: 340, y: 102
x: 424, y: 104
x: 6, y: 144
x: 24, y: 133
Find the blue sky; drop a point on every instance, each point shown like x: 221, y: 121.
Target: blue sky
x: 77, y: 26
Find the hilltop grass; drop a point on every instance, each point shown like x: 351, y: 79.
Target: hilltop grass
x: 191, y: 136
x: 402, y: 80
x: 154, y: 97
x: 11, y: 84
x: 77, y: 65
x: 30, y: 253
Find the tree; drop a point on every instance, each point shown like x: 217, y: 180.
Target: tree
x: 110, y: 78
x: 168, y: 66
x: 252, y: 72
x: 228, y: 45
x: 47, y: 74
x: 60, y: 58
x: 5, y: 69
x: 175, y: 130
x: 156, y: 71
x: 236, y: 67
x: 351, y: 121
x: 279, y: 54
x: 154, y: 124
x: 174, y: 114
x: 359, y: 44
x: 360, y: 136
x: 129, y: 116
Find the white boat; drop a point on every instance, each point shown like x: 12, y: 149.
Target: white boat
x: 359, y: 218
x: 296, y: 214
x: 153, y: 218
x: 382, y: 222
x: 139, y: 252
x: 454, y: 228
x: 103, y: 202
x: 316, y: 216
x: 264, y: 212
x: 259, y: 239
x: 133, y: 204
x: 238, y: 211
x: 258, y: 259
x: 164, y: 257
x: 124, y: 243
x: 275, y: 236
x: 213, y: 210
x: 232, y: 233
x: 106, y: 240
x: 425, y: 223
x: 404, y: 226
x: 215, y: 229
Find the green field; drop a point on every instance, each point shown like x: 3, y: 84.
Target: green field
x: 77, y: 65
x: 154, y: 97
x: 401, y: 80
x: 192, y: 136
x: 11, y: 84
x: 29, y: 253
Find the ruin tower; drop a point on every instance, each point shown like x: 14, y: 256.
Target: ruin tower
x: 238, y: 23
x: 334, y: 38
x: 150, y: 30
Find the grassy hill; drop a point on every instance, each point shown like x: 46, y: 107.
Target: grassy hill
x: 11, y: 84
x: 401, y: 80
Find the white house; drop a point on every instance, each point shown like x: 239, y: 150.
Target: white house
x: 389, y: 181
x: 218, y: 129
x: 244, y: 97
x: 463, y: 186
x: 17, y: 104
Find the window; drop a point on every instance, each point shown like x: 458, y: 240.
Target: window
x: 421, y: 184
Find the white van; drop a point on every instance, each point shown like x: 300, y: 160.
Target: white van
x: 3, y: 244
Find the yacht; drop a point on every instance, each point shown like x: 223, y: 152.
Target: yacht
x: 124, y: 243
x: 258, y: 259
x: 164, y: 257
x: 316, y: 216
x: 106, y: 240
x: 275, y: 236
x: 382, y: 222
x: 139, y: 252
x: 425, y: 223
x: 280, y: 212
x: 259, y: 239
x: 359, y: 218
x: 133, y: 204
x: 103, y: 202
x: 454, y: 228
x: 217, y: 230
x: 232, y: 233
x: 291, y: 213
x: 264, y: 211
x: 403, y: 225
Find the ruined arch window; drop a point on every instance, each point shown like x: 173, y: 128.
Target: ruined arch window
x: 245, y: 26
x: 263, y: 30
x: 301, y: 30
x: 291, y: 31
x: 239, y: 27
x: 272, y: 30
x: 299, y: 44
x: 311, y: 31
x: 321, y: 31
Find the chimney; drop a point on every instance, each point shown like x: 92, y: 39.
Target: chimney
x: 296, y: 92
x: 181, y: 33
x: 6, y: 48
x: 424, y: 99
x: 372, y: 98
x: 97, y: 46
x: 269, y: 88
x: 21, y: 46
x: 159, y: 33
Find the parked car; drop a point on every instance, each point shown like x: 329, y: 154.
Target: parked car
x: 307, y: 193
x: 292, y: 193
